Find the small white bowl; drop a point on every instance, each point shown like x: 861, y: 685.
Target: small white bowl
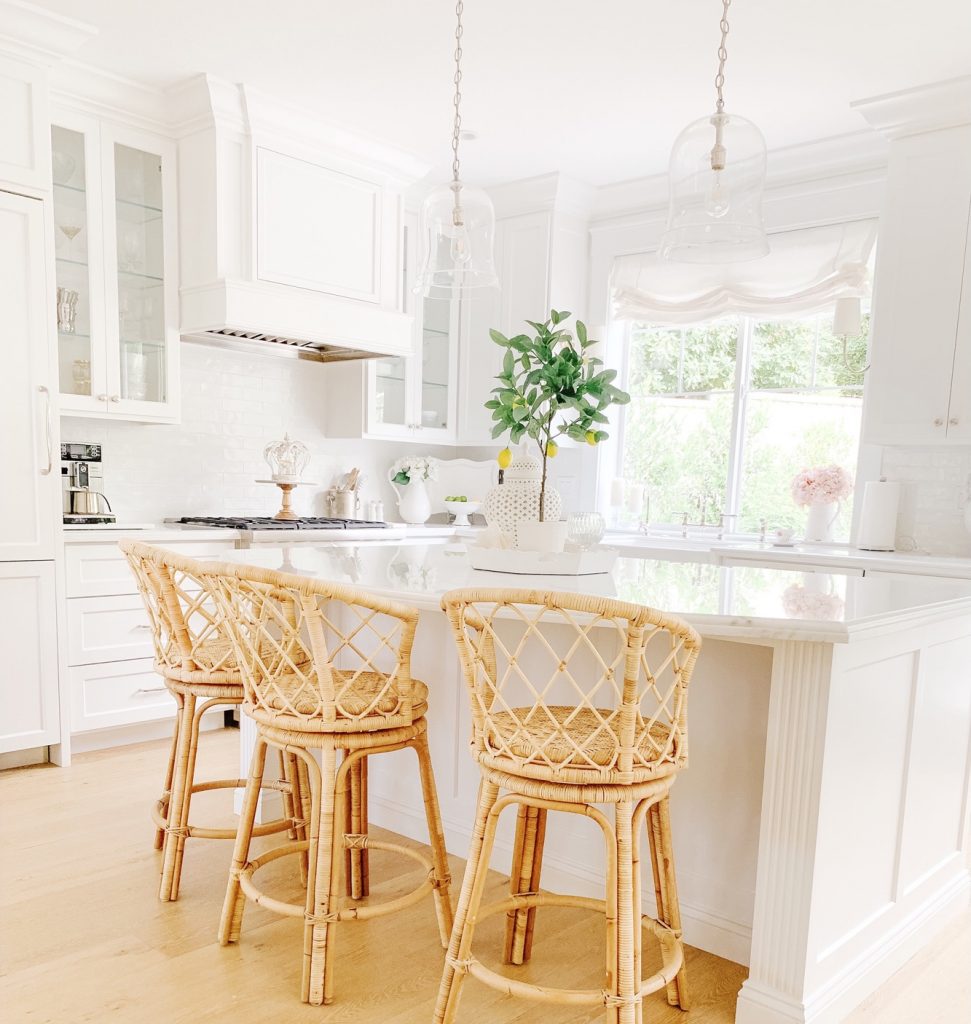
x: 462, y: 510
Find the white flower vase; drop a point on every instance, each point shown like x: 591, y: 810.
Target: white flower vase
x: 820, y: 522
x: 414, y: 505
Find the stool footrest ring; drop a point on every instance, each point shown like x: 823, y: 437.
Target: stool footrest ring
x: 160, y: 812
x: 353, y: 913
x: 672, y: 952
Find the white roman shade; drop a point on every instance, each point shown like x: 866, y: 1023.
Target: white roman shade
x: 805, y: 270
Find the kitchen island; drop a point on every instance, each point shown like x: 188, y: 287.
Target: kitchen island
x: 821, y: 830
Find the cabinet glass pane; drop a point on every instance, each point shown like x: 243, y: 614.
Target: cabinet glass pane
x: 71, y: 262
x: 390, y: 389
x: 141, y: 306
x: 434, y: 363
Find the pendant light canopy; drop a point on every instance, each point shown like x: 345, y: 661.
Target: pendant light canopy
x: 457, y: 223
x: 716, y: 178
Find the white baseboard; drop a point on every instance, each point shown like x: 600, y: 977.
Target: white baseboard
x: 845, y: 991
x: 23, y: 758
x: 124, y: 735
x: 702, y: 929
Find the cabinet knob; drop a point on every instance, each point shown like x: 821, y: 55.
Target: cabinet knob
x: 115, y: 398
x: 939, y: 422
x: 102, y: 398
x: 953, y: 421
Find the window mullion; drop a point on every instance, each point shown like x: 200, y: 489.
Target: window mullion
x: 736, y: 448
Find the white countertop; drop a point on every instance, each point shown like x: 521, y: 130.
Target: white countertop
x: 758, y: 602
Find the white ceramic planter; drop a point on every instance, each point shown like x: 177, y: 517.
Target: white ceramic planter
x: 532, y: 535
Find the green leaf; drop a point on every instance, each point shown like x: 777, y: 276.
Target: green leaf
x: 581, y: 332
x: 401, y: 477
x: 508, y: 362
x: 493, y: 404
x: 497, y: 430
x: 498, y: 337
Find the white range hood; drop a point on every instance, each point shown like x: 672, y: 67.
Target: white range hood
x: 291, y: 231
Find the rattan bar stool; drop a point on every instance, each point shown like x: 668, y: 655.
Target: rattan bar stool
x: 196, y: 661
x: 576, y: 701
x: 327, y: 670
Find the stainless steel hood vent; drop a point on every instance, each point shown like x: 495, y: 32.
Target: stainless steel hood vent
x: 307, y: 350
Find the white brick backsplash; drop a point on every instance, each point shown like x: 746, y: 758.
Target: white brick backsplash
x: 933, y: 494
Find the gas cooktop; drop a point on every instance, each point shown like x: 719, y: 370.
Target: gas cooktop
x: 265, y: 523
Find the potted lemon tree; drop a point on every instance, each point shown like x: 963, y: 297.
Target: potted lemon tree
x: 551, y: 386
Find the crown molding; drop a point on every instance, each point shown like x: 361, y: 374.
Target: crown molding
x: 39, y: 35
x: 922, y: 109
x: 91, y: 90
x: 554, y: 192
x: 863, y: 151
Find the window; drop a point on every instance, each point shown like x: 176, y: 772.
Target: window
x: 724, y: 414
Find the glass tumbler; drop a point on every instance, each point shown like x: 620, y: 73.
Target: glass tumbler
x: 585, y: 529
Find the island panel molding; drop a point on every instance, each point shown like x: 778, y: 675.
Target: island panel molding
x: 814, y: 742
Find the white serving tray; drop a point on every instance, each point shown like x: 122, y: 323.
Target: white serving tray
x: 543, y: 563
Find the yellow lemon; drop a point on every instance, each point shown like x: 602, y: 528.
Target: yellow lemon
x: 551, y: 449
x: 505, y: 457
x: 591, y: 437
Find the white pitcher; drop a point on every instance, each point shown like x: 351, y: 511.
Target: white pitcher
x: 414, y: 505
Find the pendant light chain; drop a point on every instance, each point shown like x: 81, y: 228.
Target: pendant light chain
x: 457, y: 101
x: 722, y: 58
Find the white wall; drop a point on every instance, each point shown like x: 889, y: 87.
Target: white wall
x: 233, y: 404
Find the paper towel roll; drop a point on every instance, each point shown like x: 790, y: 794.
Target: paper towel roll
x: 878, y: 517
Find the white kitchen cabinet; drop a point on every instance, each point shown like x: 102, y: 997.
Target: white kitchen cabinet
x: 410, y: 398
x: 28, y: 637
x: 919, y: 383
x: 110, y: 654
x: 115, y: 254
x: 24, y: 155
x: 109, y: 694
x: 29, y: 496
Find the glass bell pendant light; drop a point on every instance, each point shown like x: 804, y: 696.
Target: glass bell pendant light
x: 716, y: 177
x: 457, y: 224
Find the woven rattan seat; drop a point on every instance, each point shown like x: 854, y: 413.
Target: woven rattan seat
x: 364, y: 696
x: 198, y: 664
x: 576, y: 702
x: 567, y: 741
x: 327, y: 679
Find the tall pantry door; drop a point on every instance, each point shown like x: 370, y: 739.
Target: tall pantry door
x: 29, y: 467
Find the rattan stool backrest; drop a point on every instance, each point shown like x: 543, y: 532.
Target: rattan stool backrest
x: 185, y: 622
x: 309, y: 649
x: 570, y: 686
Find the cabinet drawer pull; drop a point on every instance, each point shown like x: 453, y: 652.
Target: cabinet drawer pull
x: 953, y: 421
x: 151, y: 689
x: 939, y: 422
x: 115, y: 398
x: 140, y: 627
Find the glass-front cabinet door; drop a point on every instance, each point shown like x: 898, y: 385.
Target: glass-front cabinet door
x: 439, y: 325
x: 80, y: 285
x: 136, y: 289
x: 119, y: 355
x: 414, y: 397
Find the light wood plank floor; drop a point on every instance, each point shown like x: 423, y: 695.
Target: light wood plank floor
x: 84, y: 939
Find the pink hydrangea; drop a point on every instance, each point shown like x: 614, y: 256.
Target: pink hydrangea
x: 821, y: 485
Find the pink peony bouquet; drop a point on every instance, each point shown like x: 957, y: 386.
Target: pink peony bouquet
x: 821, y: 485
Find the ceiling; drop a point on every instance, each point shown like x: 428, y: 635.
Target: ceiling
x: 595, y: 90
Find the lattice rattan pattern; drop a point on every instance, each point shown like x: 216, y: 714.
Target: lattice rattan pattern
x: 572, y: 688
